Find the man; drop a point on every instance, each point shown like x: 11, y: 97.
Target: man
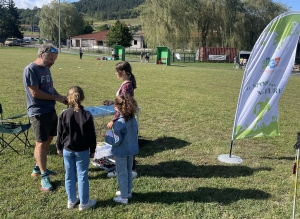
x: 80, y: 53
x: 41, y: 96
x: 113, y: 54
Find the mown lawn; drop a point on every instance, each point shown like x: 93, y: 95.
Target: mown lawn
x: 186, y: 122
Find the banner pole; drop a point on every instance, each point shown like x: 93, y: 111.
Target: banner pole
x: 296, y: 184
x: 231, y: 148
x: 229, y: 158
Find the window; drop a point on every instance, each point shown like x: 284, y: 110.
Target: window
x: 134, y: 42
x: 100, y: 43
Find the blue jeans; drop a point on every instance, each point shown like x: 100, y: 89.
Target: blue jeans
x: 77, y: 166
x: 124, y: 174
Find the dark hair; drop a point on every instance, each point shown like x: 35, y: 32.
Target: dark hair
x: 75, y: 97
x: 125, y: 66
x: 126, y: 105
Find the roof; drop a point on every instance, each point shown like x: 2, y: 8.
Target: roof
x: 96, y: 35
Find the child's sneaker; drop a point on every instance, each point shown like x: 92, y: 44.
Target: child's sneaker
x: 118, y: 193
x: 90, y: 204
x: 46, y: 184
x: 73, y: 204
x: 112, y: 174
x: 37, y: 172
x: 119, y: 199
x: 134, y: 174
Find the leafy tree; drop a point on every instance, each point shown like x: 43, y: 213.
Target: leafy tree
x: 88, y: 29
x: 166, y: 22
x: 119, y: 34
x: 193, y: 23
x: 71, y: 22
x: 28, y: 16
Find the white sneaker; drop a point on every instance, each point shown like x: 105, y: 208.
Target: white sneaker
x: 90, y: 204
x: 118, y: 193
x: 134, y: 174
x: 73, y: 204
x: 112, y: 174
x: 119, y: 199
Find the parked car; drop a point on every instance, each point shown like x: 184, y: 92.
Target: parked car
x: 13, y: 42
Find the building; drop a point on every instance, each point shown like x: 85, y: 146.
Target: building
x: 97, y: 39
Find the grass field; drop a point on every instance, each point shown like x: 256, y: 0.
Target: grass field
x: 187, y: 117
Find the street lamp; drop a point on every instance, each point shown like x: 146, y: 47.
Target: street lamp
x: 59, y: 48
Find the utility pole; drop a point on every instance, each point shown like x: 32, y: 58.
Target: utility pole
x: 59, y: 49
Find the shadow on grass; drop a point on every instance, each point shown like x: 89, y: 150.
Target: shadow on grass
x: 223, y: 196
x: 279, y: 158
x: 151, y: 147
x: 175, y: 169
x: 203, y: 194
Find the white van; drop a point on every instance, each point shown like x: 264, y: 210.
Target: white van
x: 10, y: 41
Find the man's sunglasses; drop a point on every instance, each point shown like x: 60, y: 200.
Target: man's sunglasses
x: 52, y: 50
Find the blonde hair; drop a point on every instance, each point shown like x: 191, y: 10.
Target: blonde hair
x: 75, y: 97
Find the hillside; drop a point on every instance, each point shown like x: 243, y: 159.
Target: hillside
x: 102, y: 10
x: 108, y: 9
x: 131, y: 21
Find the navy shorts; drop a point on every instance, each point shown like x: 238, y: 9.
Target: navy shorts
x: 44, y: 125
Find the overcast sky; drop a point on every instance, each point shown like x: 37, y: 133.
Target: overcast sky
x: 294, y: 4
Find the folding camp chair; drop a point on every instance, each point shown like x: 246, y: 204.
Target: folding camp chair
x: 7, y: 126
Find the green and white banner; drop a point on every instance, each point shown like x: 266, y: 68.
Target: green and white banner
x: 266, y: 75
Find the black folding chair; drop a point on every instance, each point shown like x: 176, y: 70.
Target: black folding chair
x: 17, y: 129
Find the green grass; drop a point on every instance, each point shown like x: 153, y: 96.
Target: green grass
x: 187, y: 117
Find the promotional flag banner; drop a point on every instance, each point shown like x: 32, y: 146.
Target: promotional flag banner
x: 266, y: 75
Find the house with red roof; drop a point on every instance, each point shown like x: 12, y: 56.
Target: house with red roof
x: 97, y: 39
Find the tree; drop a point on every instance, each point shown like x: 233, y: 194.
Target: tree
x: 119, y: 34
x: 9, y: 21
x: 193, y: 23
x: 166, y: 22
x: 71, y: 22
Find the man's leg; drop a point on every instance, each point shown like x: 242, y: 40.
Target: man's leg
x: 40, y: 153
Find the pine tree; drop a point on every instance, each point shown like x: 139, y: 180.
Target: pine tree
x: 13, y: 21
x: 119, y: 34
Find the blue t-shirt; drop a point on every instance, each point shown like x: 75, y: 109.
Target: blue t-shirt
x: 35, y: 75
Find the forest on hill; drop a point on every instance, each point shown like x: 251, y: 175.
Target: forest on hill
x: 96, y: 9
x: 108, y: 9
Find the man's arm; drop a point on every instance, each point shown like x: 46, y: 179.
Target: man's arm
x: 39, y: 94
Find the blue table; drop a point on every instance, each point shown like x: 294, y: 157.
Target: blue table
x: 101, y: 111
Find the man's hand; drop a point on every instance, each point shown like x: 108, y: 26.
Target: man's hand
x: 62, y: 99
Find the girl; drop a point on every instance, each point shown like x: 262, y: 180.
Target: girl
x: 124, y: 73
x: 124, y: 143
x: 76, y: 142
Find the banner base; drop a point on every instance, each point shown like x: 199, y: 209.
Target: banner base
x: 226, y: 158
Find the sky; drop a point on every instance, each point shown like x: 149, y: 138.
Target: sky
x: 293, y: 4
x: 24, y: 4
